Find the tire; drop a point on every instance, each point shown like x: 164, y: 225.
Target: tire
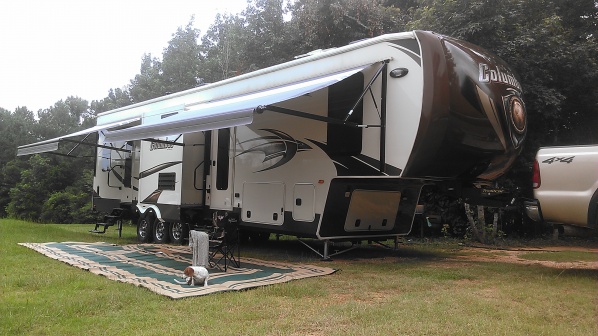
x: 161, y: 232
x: 178, y: 233
x: 145, y: 228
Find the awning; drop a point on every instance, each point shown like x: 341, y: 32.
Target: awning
x: 224, y: 113
x: 52, y: 144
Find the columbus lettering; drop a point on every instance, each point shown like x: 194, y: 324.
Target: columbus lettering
x: 159, y: 145
x: 488, y: 75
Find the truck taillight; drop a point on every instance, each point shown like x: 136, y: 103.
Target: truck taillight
x: 536, y: 180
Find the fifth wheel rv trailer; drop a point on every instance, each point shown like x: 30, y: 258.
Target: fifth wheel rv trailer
x: 340, y: 144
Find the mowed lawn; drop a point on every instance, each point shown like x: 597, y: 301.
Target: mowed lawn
x: 422, y: 289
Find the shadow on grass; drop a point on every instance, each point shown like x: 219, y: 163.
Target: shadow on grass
x: 575, y: 273
x: 294, y: 250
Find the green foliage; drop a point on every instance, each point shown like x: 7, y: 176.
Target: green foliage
x: 147, y: 84
x: 68, y: 207
x: 42, y: 179
x: 222, y: 49
x: 10, y: 175
x: 15, y: 129
x: 181, y: 61
x: 328, y: 23
x: 178, y: 70
x: 264, y: 34
x: 116, y: 98
x: 62, y: 118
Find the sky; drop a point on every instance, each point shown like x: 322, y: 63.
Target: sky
x: 53, y: 49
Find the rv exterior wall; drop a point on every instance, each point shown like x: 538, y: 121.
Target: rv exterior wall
x: 456, y: 112
x: 473, y: 118
x: 114, y: 176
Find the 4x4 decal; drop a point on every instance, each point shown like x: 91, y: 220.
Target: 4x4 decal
x: 555, y: 159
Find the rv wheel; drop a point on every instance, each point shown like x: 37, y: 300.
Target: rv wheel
x: 144, y: 228
x: 178, y: 233
x: 161, y: 232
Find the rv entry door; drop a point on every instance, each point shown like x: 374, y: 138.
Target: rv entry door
x: 221, y: 169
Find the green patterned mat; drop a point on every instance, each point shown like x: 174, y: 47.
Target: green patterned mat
x: 156, y: 266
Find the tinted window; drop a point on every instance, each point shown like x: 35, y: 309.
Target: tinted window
x: 344, y: 140
x: 222, y: 159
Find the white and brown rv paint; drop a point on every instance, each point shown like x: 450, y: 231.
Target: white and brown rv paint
x: 334, y: 145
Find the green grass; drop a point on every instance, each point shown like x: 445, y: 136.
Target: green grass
x: 422, y: 289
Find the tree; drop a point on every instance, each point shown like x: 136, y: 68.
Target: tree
x: 72, y: 205
x: 264, y: 34
x: 10, y: 176
x: 181, y: 60
x: 66, y: 116
x: 16, y: 129
x: 332, y: 23
x: 148, y: 83
x: 37, y: 182
x: 116, y: 98
x: 222, y: 49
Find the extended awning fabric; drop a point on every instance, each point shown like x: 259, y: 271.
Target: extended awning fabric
x: 52, y: 144
x: 224, y: 113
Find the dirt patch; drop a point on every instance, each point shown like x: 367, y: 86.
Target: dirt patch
x: 513, y: 255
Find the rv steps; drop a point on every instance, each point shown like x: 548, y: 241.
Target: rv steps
x: 115, y: 217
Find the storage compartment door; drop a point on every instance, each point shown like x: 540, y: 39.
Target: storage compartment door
x: 263, y: 203
x: 304, y: 196
x: 372, y: 210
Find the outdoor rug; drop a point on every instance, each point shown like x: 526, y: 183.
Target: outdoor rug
x: 157, y: 266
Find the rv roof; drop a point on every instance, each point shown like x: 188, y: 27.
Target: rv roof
x: 206, y: 93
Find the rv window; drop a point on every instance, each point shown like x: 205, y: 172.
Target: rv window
x: 222, y: 159
x: 344, y: 140
x: 105, y: 159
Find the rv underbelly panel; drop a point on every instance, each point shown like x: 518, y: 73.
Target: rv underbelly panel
x: 358, y: 207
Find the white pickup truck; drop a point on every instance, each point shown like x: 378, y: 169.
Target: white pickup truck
x: 565, y: 182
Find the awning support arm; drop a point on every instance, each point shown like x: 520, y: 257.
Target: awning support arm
x: 77, y: 145
x: 300, y: 114
x: 367, y: 88
x: 96, y: 145
x: 383, y: 119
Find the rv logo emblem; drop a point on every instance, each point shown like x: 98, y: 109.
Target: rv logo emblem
x: 496, y: 75
x: 160, y: 145
x: 279, y: 146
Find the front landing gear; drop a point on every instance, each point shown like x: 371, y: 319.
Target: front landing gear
x: 326, y: 255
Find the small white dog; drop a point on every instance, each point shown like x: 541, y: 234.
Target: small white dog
x: 195, y: 276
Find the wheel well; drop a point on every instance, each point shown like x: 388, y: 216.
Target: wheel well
x: 593, y: 211
x: 144, y: 211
